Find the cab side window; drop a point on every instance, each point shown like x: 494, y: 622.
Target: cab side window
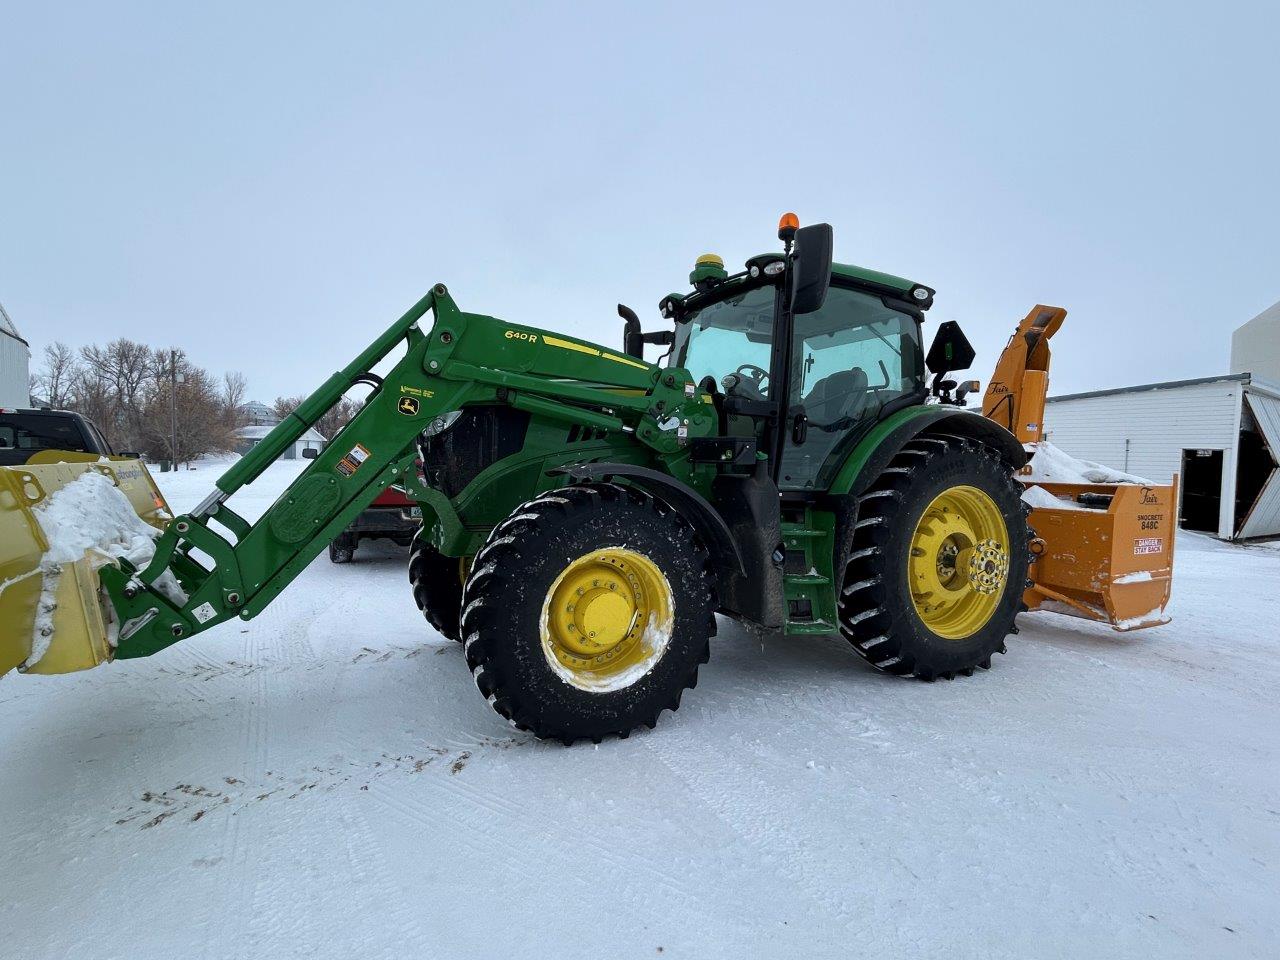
x: 851, y: 359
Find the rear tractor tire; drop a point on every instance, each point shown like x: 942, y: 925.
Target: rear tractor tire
x: 936, y: 562
x: 437, y: 585
x: 588, y: 612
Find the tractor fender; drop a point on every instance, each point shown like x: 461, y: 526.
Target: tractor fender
x: 869, y: 458
x: 676, y: 494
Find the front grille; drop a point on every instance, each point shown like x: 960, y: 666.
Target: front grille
x: 481, y: 436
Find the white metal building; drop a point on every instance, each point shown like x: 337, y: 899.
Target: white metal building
x: 311, y: 441
x: 15, y: 365
x: 1255, y: 346
x: 1221, y: 435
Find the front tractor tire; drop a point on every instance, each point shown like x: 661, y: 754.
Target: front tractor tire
x: 936, y: 562
x: 588, y: 612
x: 436, y: 581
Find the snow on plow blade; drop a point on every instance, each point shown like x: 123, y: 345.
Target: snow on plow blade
x: 53, y: 615
x: 1105, y: 554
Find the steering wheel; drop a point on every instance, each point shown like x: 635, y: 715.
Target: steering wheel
x: 758, y: 376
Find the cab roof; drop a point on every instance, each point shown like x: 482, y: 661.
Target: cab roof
x: 858, y: 274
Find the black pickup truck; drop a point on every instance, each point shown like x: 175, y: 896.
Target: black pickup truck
x: 24, y: 433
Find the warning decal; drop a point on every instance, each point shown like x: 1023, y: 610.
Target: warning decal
x: 1145, y: 545
x: 351, y: 462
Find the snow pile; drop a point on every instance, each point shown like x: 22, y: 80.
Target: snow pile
x: 90, y: 516
x: 1042, y: 499
x: 1140, y: 576
x: 1053, y: 465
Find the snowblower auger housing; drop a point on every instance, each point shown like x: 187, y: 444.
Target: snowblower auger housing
x: 586, y: 513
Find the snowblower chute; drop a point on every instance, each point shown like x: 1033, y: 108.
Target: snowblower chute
x: 60, y: 523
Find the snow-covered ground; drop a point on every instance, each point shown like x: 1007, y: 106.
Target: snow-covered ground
x: 325, y: 781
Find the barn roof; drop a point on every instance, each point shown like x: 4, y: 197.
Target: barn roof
x: 8, y: 327
x: 1247, y: 378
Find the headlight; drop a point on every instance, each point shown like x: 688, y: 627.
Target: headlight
x: 441, y: 423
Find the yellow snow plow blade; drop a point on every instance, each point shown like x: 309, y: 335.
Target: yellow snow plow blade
x: 76, y: 635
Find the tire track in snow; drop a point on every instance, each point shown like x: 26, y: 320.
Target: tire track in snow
x: 243, y: 832
x: 368, y: 860
x: 755, y: 823
x: 477, y: 817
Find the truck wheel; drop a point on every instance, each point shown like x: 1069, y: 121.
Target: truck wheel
x: 437, y: 585
x: 587, y: 613
x: 937, y: 561
x: 342, y: 548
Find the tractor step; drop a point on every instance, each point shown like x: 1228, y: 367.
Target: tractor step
x: 811, y: 628
x: 789, y: 532
x: 806, y: 579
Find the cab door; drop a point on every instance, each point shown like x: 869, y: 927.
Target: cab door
x: 853, y: 361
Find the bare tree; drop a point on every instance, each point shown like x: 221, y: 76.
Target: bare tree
x: 333, y: 419
x: 91, y: 396
x: 56, y: 377
x: 337, y: 417
x: 126, y: 367
x: 127, y: 388
x: 234, y: 390
x: 284, y: 406
x: 115, y: 384
x: 202, y: 426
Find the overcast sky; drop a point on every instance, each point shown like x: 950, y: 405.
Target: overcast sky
x: 267, y: 186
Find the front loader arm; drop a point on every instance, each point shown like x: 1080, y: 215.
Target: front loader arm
x: 229, y: 567
x: 245, y: 565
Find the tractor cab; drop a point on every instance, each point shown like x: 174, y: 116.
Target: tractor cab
x: 808, y: 379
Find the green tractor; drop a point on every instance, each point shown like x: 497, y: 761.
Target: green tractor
x: 587, y: 513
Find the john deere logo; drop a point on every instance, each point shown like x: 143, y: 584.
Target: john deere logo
x: 409, y: 406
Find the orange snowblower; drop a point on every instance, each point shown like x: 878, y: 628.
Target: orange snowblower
x: 1102, y: 550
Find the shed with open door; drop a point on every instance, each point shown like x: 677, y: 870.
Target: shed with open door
x: 1220, y: 434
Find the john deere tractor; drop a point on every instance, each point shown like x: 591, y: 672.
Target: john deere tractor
x: 794, y: 461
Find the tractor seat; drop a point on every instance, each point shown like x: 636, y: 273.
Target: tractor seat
x: 837, y: 395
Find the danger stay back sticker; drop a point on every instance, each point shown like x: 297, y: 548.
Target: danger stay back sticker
x: 1145, y: 545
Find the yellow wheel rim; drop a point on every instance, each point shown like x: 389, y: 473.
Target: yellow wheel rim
x: 606, y: 620
x: 959, y: 562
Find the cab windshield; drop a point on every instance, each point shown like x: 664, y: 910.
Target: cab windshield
x: 728, y: 335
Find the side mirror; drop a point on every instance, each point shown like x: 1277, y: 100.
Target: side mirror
x: 950, y: 350
x: 310, y: 454
x: 811, y: 268
x: 131, y: 454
